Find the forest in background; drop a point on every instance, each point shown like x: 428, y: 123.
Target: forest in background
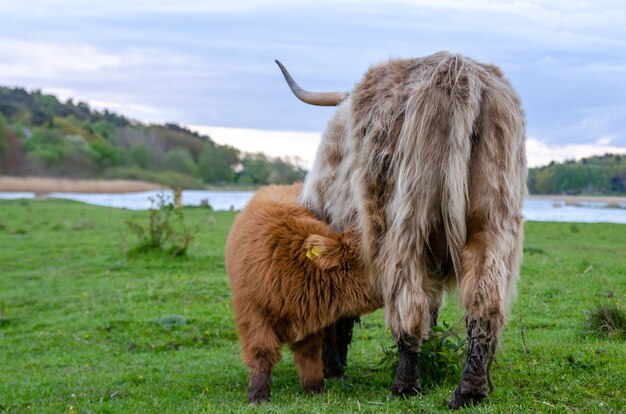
x: 598, y: 175
x: 42, y: 136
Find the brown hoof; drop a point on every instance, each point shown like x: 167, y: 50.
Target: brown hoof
x: 258, y: 399
x: 403, y: 389
x: 407, y: 379
x: 334, y: 371
x: 316, y: 387
x: 259, y: 396
x: 465, y: 398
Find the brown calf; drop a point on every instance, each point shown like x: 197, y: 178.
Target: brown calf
x: 291, y: 277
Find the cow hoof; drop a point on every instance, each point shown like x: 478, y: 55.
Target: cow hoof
x: 403, y: 389
x: 334, y: 371
x: 314, y: 387
x: 463, y: 399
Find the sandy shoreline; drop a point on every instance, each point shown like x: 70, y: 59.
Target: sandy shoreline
x: 578, y: 199
x: 43, y: 185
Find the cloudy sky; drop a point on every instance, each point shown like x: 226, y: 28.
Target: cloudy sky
x: 210, y: 64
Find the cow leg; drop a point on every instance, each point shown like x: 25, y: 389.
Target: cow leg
x: 337, y: 338
x: 307, y: 355
x: 481, y: 340
x: 490, y: 262
x: 407, y: 379
x: 261, y: 351
x: 408, y: 311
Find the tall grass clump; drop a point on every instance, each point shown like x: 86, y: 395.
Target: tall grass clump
x: 607, y: 320
x: 165, y: 232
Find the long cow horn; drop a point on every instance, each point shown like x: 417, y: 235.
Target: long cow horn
x: 313, y: 98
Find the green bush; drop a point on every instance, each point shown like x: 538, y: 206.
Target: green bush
x: 180, y: 160
x: 165, y: 232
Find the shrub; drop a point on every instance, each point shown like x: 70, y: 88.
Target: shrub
x: 165, y: 232
x: 180, y: 160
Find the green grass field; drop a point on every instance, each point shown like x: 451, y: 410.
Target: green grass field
x: 84, y: 328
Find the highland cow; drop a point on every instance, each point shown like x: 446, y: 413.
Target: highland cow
x: 426, y: 158
x: 291, y: 277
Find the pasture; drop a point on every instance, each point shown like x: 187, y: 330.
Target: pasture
x: 86, y: 328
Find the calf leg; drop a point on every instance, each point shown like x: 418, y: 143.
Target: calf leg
x: 337, y: 338
x: 261, y: 352
x: 307, y: 354
x: 490, y: 262
x: 260, y: 379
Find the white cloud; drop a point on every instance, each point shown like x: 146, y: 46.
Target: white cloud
x: 42, y: 59
x: 61, y: 61
x: 118, y: 103
x: 540, y: 153
x: 605, y: 140
x: 594, y: 122
x: 273, y: 143
x: 132, y: 110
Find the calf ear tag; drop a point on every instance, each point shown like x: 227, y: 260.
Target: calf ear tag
x: 313, y: 252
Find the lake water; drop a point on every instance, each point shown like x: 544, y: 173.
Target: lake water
x: 534, y: 210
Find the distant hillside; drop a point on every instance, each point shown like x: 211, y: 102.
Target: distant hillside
x: 39, y: 135
x: 604, y: 174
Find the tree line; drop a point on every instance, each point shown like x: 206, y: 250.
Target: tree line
x: 42, y: 136
x: 605, y: 174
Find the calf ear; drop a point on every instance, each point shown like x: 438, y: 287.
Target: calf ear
x: 323, y: 251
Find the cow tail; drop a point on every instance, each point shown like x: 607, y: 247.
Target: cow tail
x: 464, y: 110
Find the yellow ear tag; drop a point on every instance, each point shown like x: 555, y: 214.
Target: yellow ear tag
x: 313, y: 252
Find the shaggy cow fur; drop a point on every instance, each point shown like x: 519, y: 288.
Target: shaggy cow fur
x: 426, y: 157
x: 291, y: 277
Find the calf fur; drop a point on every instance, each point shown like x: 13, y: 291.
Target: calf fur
x: 291, y: 277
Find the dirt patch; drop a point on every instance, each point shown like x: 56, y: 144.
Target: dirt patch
x: 62, y: 185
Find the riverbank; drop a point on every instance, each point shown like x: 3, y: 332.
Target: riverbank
x: 579, y: 198
x: 43, y: 185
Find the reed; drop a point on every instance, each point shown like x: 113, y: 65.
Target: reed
x: 43, y: 185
